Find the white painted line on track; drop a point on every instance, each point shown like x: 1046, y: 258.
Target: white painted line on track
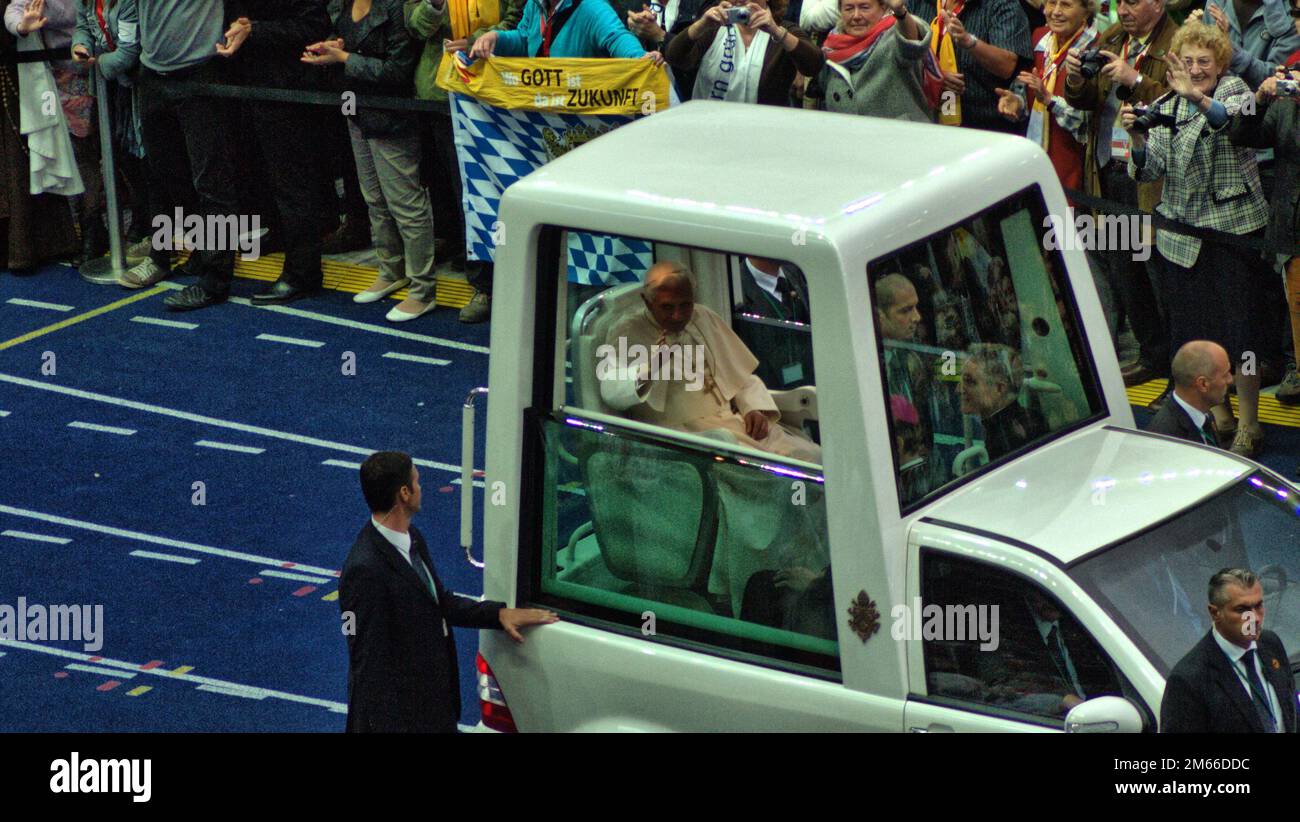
x: 291, y: 340
x: 166, y: 557
x: 107, y: 429
x: 359, y: 326
x: 394, y: 355
x: 342, y: 463
x: 246, y: 693
x: 225, y: 446
x: 91, y: 669
x: 134, y: 667
x: 268, y: 572
x: 4, y: 413
x: 39, y: 304
x: 170, y: 543
x: 165, y: 323
x: 35, y: 537
x: 199, y: 418
x: 477, y: 483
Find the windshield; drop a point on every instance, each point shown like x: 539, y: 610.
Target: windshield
x: 1155, y: 585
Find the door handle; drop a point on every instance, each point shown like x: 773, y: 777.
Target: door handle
x: 932, y: 728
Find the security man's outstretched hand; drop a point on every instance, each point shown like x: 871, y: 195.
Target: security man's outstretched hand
x: 512, y: 619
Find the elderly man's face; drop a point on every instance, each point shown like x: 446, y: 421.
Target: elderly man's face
x: 979, y: 395
x: 672, y: 307
x: 900, y: 320
x: 1217, y: 382
x: 1139, y: 16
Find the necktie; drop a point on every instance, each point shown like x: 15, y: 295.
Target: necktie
x: 1208, y: 433
x: 1257, y: 693
x: 789, y: 298
x: 1057, y: 650
x: 423, y: 574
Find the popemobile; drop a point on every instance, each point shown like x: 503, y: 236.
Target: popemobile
x: 956, y: 526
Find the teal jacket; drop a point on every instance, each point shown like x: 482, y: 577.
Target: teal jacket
x: 122, y: 20
x: 594, y: 30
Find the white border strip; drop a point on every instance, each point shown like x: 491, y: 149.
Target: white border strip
x: 39, y: 304
x: 225, y: 446
x: 165, y: 323
x: 91, y: 669
x: 343, y: 464
x: 35, y: 537
x: 166, y: 557
x: 246, y: 693
x: 134, y: 667
x: 107, y: 429
x: 291, y: 340
x: 170, y: 543
x: 395, y: 355
x: 270, y: 572
x: 199, y: 418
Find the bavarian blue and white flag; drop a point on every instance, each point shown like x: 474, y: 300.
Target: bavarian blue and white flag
x: 514, y: 115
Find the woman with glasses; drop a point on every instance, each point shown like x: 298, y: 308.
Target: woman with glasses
x: 1210, y: 289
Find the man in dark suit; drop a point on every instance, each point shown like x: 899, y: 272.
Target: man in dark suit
x: 776, y: 291
x: 1237, y: 679
x: 1201, y: 375
x: 402, y: 672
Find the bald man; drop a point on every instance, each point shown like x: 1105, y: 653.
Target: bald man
x: 725, y: 399
x: 1201, y: 374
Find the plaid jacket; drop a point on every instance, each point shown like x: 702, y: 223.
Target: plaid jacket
x: 1209, y: 182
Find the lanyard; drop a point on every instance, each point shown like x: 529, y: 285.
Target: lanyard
x: 103, y: 24
x: 1050, y: 67
x: 548, y: 31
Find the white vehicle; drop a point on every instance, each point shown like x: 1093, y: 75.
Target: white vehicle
x: 706, y: 585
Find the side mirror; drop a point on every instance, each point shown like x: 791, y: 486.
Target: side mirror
x: 1104, y: 715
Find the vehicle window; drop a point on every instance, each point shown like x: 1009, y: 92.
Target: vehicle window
x: 1155, y: 585
x: 981, y: 348
x: 663, y: 505
x: 998, y: 641
x: 773, y: 318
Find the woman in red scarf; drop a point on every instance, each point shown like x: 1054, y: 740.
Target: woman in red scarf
x: 1062, y: 134
x: 878, y: 63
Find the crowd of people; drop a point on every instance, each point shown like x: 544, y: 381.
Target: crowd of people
x: 1187, y: 112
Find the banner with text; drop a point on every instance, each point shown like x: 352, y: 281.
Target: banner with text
x: 514, y: 115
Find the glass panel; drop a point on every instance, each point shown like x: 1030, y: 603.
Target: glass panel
x: 1002, y: 643
x: 1155, y: 586
x: 774, y: 320
x: 686, y: 542
x: 981, y: 348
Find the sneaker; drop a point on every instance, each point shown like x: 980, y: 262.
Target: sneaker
x: 478, y: 309
x: 1289, y: 391
x: 139, y: 250
x: 1246, y: 444
x: 143, y: 274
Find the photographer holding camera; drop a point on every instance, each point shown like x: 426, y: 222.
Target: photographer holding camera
x: 1209, y: 288
x: 743, y: 54
x: 1127, y: 63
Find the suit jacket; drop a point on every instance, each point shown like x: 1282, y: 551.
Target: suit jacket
x: 1090, y: 95
x: 1204, y: 695
x: 1172, y: 419
x: 383, y: 61
x: 780, y: 347
x: 402, y: 671
x: 1276, y: 125
x: 1023, y: 665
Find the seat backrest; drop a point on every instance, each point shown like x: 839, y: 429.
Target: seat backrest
x: 590, y: 327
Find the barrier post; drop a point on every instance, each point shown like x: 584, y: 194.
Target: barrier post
x: 106, y: 270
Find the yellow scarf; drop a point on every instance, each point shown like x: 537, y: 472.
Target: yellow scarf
x: 1049, y: 79
x: 942, y: 46
x: 468, y: 16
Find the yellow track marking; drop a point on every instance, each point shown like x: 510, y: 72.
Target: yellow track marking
x: 1270, y: 410
x: 140, y: 690
x: 103, y: 309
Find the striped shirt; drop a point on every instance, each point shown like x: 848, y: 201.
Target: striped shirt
x: 1000, y: 23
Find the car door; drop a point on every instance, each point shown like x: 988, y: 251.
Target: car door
x: 994, y: 645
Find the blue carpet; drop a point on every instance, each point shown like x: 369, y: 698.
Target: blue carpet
x: 283, y: 504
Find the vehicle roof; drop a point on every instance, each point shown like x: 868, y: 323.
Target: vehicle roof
x: 1090, y: 489
x: 800, y: 166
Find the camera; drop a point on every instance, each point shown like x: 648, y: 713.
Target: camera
x: 737, y: 14
x: 1149, y: 118
x: 1091, y: 62
x: 1288, y: 88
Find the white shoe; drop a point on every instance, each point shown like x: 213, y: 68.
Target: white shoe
x: 377, y: 292
x: 143, y: 274
x: 396, y: 315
